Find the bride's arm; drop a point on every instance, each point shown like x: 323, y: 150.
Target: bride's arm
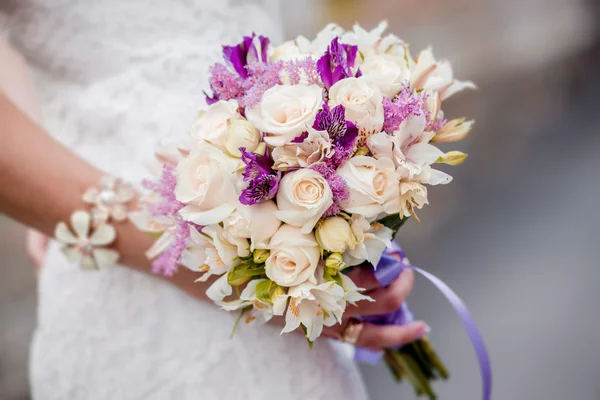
x: 41, y: 183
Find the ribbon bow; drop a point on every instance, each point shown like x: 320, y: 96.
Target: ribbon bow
x: 392, y: 263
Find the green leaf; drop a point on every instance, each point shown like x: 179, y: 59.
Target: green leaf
x: 310, y: 344
x: 394, y: 222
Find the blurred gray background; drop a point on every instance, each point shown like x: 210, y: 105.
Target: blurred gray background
x: 515, y: 234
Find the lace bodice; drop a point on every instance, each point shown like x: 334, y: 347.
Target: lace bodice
x: 115, y: 78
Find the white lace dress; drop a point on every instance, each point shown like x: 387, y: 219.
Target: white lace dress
x: 114, y: 78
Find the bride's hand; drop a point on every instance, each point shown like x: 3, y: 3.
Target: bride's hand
x: 387, y: 300
x: 37, y: 245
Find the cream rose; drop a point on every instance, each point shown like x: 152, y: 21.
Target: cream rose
x: 412, y: 195
x: 303, y: 197
x: 314, y: 149
x: 211, y: 124
x: 256, y: 223
x: 285, y: 112
x: 388, y: 72
x: 373, y: 186
x: 294, y: 257
x: 362, y: 100
x: 206, y: 183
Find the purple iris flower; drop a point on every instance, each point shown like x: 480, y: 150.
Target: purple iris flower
x: 262, y: 180
x: 337, y: 62
x: 246, y: 53
x: 342, y: 133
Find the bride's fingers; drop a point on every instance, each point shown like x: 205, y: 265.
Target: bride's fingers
x: 364, y: 278
x: 377, y: 337
x: 387, y: 299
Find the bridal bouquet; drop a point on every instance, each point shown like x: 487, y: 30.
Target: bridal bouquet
x: 306, y: 161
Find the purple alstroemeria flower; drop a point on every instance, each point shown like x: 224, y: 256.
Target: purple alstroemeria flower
x: 262, y: 180
x: 246, y: 53
x: 342, y: 133
x: 337, y: 62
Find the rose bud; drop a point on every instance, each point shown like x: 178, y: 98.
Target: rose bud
x: 334, y: 234
x: 241, y: 133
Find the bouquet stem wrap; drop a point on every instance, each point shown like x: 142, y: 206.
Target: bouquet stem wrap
x: 391, y: 265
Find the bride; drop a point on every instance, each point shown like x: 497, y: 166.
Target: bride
x: 112, y: 78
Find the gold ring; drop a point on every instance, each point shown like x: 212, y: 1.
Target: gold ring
x: 352, y: 331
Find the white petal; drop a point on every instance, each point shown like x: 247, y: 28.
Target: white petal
x: 455, y: 87
x: 209, y: 217
x: 106, y: 256
x: 90, y: 195
x: 63, y: 234
x: 104, y: 234
x: 219, y: 289
x: 439, y: 177
x: 80, y: 221
x: 161, y: 244
x: 424, y: 153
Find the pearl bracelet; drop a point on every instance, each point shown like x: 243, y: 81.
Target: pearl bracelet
x: 91, y: 231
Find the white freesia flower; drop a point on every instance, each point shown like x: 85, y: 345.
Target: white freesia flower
x: 334, y: 234
x: 207, y: 182
x: 314, y: 149
x: 85, y: 244
x: 412, y: 195
x: 436, y: 75
x: 410, y: 150
x: 388, y: 72
x: 255, y: 224
x: 365, y: 40
x: 261, y: 311
x: 372, y: 240
x: 209, y: 252
x: 294, y: 257
x: 211, y: 124
x: 362, y: 100
x: 313, y: 306
x: 319, y: 45
x: 303, y: 197
x: 285, y: 111
x: 352, y: 293
x: 373, y: 186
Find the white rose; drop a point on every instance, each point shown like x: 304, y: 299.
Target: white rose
x: 211, y: 125
x: 303, y: 197
x: 387, y: 71
x: 206, y: 183
x: 371, y: 241
x: 362, y: 100
x: 241, y: 133
x: 286, y: 111
x: 256, y: 223
x: 373, y: 186
x: 209, y: 252
x: 294, y: 257
x: 334, y: 234
x: 412, y: 195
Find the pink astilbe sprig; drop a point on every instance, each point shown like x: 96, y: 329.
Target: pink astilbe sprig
x: 302, y: 70
x: 167, y: 263
x: 261, y: 78
x: 338, y: 186
x: 400, y: 107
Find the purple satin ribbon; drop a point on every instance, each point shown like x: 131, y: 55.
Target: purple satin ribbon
x: 392, y: 263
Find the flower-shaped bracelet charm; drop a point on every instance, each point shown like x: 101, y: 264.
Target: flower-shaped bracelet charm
x: 110, y: 201
x: 85, y: 243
